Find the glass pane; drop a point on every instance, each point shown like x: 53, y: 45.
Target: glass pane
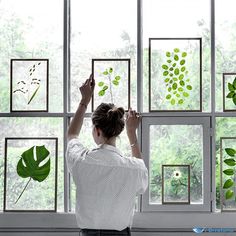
x: 225, y: 127
x: 122, y: 143
x: 225, y: 45
x: 176, y: 145
x: 228, y: 173
x: 113, y: 82
x: 167, y: 19
x: 96, y: 32
x: 30, y: 29
x: 175, y: 74
x: 31, y: 167
x: 36, y: 127
x: 175, y: 188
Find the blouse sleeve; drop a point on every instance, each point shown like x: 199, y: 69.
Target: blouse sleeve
x: 142, y: 178
x: 75, y: 152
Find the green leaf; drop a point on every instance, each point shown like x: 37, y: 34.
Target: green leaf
x: 100, y: 84
x: 167, y: 80
x: 228, y: 183
x: 231, y: 87
x: 181, y: 83
x: 169, y: 89
x: 182, y: 62
x: 105, y: 72
x: 230, y: 162
x: 169, y: 61
x: 229, y: 194
x: 168, y: 96
x: 184, y: 54
x: 176, y: 71
x: 110, y: 70
x: 230, y: 151
x: 234, y: 100
x: 229, y: 171
x: 105, y: 88
x: 176, y: 50
x: 33, y: 95
x: 115, y: 82
x: 181, y: 101
x: 180, y: 89
x: 168, y: 54
x: 165, y: 73
x: 101, y: 93
x: 234, y: 83
x: 230, y: 94
x: 185, y: 94
x: 174, y: 86
x: 181, y: 76
x: 172, y: 101
x: 176, y: 57
x: 183, y: 68
x: 117, y: 77
x: 189, y: 87
x: 165, y: 67
x: 32, y: 166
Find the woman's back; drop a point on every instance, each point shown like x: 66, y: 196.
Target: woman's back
x: 107, y: 184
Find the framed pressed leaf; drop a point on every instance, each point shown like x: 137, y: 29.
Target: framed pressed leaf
x: 112, y: 77
x: 175, y: 184
x: 229, y: 92
x: 29, y: 85
x: 228, y: 174
x: 30, y: 178
x: 175, y: 74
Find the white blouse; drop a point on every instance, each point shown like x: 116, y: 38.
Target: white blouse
x: 106, y: 183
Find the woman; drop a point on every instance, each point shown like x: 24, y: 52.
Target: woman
x: 106, y: 181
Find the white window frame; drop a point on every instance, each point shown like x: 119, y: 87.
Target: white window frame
x: 205, y: 123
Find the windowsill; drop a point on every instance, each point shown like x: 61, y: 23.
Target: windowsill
x: 151, y: 220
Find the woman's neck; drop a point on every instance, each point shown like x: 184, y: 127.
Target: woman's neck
x: 111, y: 141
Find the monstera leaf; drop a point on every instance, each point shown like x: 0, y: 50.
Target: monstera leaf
x: 30, y: 166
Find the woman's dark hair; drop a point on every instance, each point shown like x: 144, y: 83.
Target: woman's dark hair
x: 109, y: 119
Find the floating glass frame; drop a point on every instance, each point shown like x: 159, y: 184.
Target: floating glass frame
x: 175, y: 184
x: 228, y: 174
x: 29, y: 89
x: 229, y: 92
x: 112, y: 78
x: 30, y: 174
x: 175, y: 74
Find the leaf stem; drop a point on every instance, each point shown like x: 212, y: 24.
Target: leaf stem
x: 110, y: 88
x: 22, y: 191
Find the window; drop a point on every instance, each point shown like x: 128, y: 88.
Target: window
x: 176, y: 62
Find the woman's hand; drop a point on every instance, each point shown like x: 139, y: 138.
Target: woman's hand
x: 132, y: 121
x: 87, y: 89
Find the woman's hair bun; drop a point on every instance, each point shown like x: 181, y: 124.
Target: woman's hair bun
x: 109, y: 119
x: 115, y: 113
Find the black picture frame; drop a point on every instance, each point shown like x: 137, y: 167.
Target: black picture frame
x: 5, y: 173
x: 29, y: 83
x: 199, y: 40
x: 126, y: 60
x: 221, y: 175
x: 163, y: 185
